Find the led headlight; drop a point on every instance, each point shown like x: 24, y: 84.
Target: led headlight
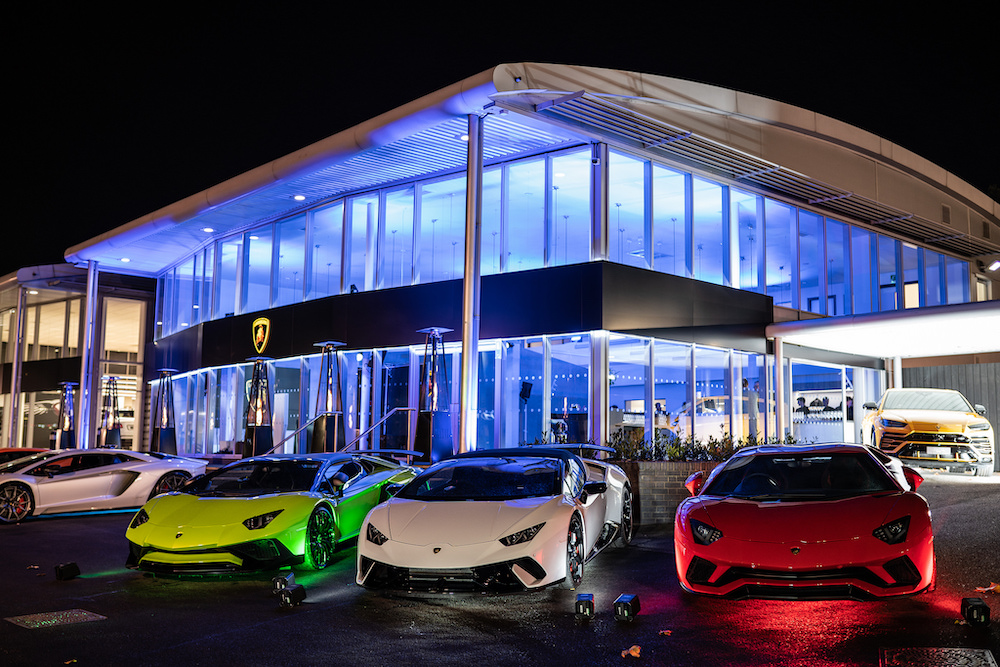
x: 893, y: 532
x: 258, y: 522
x: 892, y: 423
x: 979, y: 426
x: 140, y: 518
x: 521, y: 536
x: 704, y: 533
x: 375, y: 536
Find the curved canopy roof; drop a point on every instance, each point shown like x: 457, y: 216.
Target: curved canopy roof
x: 770, y: 146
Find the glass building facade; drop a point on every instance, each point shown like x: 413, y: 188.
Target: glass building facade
x: 537, y: 213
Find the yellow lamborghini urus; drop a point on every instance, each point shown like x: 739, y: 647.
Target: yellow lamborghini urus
x: 934, y: 428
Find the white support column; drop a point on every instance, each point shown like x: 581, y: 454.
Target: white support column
x: 779, y: 388
x: 87, y: 358
x: 469, y: 398
x: 12, y: 423
x: 897, y: 373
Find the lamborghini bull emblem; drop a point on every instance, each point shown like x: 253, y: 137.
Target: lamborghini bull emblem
x: 261, y: 333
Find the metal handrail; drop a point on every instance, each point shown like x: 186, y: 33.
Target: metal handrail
x: 299, y: 430
x: 352, y: 443
x: 409, y: 429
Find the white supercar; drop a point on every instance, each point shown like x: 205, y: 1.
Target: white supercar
x: 77, y: 480
x: 496, y: 520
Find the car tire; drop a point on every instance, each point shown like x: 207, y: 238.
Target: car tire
x: 169, y: 482
x: 574, y: 554
x: 320, y: 542
x: 984, y: 470
x: 16, y: 503
x: 626, y: 527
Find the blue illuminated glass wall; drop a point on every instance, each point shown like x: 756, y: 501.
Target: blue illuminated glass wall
x: 537, y: 213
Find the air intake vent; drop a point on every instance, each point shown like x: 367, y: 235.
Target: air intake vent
x: 946, y: 214
x: 986, y: 229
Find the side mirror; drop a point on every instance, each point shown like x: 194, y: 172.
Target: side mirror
x: 870, y: 405
x: 595, y: 487
x: 695, y: 482
x: 914, y: 478
x: 980, y: 409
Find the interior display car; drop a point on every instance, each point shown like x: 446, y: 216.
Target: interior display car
x: 496, y: 520
x: 260, y: 513
x: 804, y: 522
x: 78, y: 480
x: 934, y: 428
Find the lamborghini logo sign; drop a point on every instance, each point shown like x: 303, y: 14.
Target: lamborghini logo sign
x: 261, y: 332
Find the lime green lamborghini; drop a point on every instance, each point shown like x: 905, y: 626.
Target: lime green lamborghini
x: 261, y: 513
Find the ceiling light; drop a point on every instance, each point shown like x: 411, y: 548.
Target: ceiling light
x: 995, y: 265
x: 299, y: 197
x: 207, y: 230
x: 126, y: 260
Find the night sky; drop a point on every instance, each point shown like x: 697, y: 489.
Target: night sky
x: 116, y: 115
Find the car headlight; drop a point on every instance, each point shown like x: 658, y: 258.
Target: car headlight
x: 704, y: 533
x: 258, y: 522
x: 893, y: 532
x: 979, y: 426
x: 140, y: 518
x: 375, y: 536
x: 892, y: 423
x: 521, y: 536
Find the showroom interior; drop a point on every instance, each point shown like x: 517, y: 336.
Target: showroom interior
x: 622, y: 255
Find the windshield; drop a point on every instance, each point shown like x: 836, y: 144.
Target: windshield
x: 926, y: 400
x: 794, y: 477
x: 21, y: 463
x: 251, y: 478
x: 486, y: 479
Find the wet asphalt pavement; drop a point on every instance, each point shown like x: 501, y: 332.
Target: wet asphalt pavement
x: 209, y: 621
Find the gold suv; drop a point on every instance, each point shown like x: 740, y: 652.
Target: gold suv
x: 934, y: 428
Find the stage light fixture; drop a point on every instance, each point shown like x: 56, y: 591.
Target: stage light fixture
x: 626, y: 607
x: 291, y: 595
x: 282, y: 582
x: 975, y: 611
x: 584, y: 609
x: 66, y: 571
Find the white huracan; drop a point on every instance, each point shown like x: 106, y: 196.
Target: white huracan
x: 77, y: 480
x: 496, y: 520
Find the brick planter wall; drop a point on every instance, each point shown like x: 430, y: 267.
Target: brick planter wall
x: 658, y: 487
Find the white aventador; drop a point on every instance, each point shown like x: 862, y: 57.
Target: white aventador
x: 496, y: 520
x: 78, y: 480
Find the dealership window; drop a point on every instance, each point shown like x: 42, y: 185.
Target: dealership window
x: 525, y: 210
x: 750, y: 411
x: 862, y: 276
x: 569, y: 385
x: 290, y: 238
x: 442, y: 230
x: 910, y: 270
x: 491, y: 251
x: 230, y: 258
x: 523, y: 391
x: 670, y: 230
x: 838, y: 287
x: 957, y: 273
x: 396, y: 240
x: 628, y: 364
x: 362, y: 223
x: 889, y: 279
x: 570, y: 219
x: 627, y: 228
x: 744, y: 219
x: 671, y: 388
x: 935, y: 293
x: 812, y: 263
x: 712, y: 398
x: 780, y: 236
x: 708, y: 215
x: 326, y: 227
x: 256, y: 286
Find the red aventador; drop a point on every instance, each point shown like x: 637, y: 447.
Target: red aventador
x: 812, y: 522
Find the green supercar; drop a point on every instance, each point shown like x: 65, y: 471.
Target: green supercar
x: 261, y: 513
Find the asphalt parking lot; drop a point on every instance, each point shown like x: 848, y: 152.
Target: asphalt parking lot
x: 126, y: 617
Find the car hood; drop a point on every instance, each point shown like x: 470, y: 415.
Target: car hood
x: 806, y: 521
x: 933, y: 420
x: 183, y: 509
x: 460, y: 522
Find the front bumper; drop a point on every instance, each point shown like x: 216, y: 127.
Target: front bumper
x: 953, y: 451
x: 253, y: 556
x: 817, y: 572
x: 503, y: 577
